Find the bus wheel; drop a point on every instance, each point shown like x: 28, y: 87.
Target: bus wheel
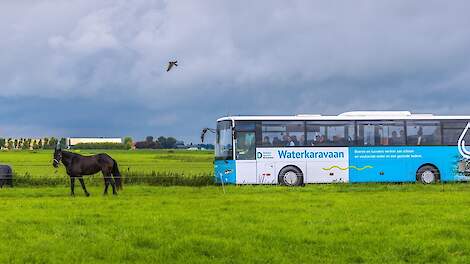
x: 291, y: 176
x: 427, y: 174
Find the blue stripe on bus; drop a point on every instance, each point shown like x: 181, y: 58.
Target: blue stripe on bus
x: 226, y: 170
x: 399, y: 164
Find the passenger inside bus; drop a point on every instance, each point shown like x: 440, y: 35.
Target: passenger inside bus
x: 395, y: 140
x: 402, y: 135
x: 294, y: 141
x: 277, y: 142
x: 285, y: 139
x: 420, y: 135
x: 267, y: 142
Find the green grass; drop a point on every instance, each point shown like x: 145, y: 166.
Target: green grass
x: 35, y: 167
x: 348, y: 223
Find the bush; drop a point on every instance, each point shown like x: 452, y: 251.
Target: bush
x: 130, y: 178
x: 101, y: 146
x: 146, y: 145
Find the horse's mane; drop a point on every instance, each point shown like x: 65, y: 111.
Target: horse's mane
x: 68, y: 153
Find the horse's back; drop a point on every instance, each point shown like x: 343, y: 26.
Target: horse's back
x: 104, y: 157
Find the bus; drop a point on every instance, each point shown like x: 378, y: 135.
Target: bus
x: 359, y: 146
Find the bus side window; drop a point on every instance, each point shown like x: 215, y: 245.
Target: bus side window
x: 282, y: 133
x: 452, y: 130
x: 381, y: 133
x: 423, y: 133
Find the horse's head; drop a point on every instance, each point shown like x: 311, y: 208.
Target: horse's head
x: 57, y: 157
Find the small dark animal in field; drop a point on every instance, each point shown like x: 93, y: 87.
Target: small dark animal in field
x: 78, y: 166
x: 171, y: 64
x: 6, y: 176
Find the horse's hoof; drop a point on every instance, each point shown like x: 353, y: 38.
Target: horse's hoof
x: 87, y: 194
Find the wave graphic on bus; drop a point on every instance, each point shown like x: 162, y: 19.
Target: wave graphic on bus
x: 461, y: 144
x: 350, y: 167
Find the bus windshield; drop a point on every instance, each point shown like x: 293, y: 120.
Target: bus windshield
x: 223, y: 142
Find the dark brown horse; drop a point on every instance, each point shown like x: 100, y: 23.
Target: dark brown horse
x: 78, y: 165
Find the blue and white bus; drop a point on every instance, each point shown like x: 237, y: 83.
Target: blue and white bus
x: 390, y: 146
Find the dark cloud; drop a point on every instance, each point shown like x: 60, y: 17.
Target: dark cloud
x: 104, y: 61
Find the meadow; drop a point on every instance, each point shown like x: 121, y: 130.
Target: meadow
x: 341, y: 223
x: 165, y: 167
x: 332, y: 223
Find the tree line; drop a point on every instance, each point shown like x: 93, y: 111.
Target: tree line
x: 128, y: 143
x: 29, y: 143
x: 160, y: 142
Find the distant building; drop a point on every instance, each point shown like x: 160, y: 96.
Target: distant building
x: 180, y: 144
x: 75, y: 140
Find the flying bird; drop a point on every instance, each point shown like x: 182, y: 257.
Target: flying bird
x: 171, y: 64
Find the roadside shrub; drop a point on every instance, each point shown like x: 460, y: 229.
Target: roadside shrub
x: 130, y: 178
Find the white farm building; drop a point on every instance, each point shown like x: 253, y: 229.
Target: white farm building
x: 76, y: 140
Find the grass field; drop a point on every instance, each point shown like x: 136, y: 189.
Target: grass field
x: 39, y: 163
x: 261, y: 224
x: 32, y: 166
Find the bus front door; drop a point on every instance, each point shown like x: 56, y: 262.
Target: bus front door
x: 245, y: 156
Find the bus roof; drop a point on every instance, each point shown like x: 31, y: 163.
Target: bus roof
x: 355, y: 115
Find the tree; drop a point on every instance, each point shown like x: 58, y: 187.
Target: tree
x: 149, y: 138
x: 10, y: 144
x: 26, y: 144
x: 35, y: 144
x: 46, y: 142
x: 128, y: 141
x: 170, y: 142
x: 52, y: 142
x: 40, y: 143
x: 63, y: 143
x: 2, y: 142
x: 162, y: 141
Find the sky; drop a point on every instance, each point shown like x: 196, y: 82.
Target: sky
x: 98, y: 68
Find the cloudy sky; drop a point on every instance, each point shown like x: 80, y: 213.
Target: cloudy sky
x: 97, y: 68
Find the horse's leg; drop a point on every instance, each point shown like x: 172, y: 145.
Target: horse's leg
x: 113, y: 184
x: 83, y: 186
x: 109, y: 177
x: 72, y: 185
x: 106, y: 183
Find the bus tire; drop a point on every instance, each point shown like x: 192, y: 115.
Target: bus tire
x: 428, y: 174
x: 291, y: 176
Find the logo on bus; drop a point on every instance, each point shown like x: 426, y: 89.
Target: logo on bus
x: 461, y: 143
x: 264, y: 155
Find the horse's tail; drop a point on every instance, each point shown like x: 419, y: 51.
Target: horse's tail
x: 117, y: 175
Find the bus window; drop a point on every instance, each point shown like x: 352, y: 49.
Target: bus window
x: 330, y: 133
x: 245, y: 140
x: 245, y: 148
x: 283, y: 133
x: 451, y: 131
x: 380, y: 133
x: 423, y: 133
x: 223, y: 144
